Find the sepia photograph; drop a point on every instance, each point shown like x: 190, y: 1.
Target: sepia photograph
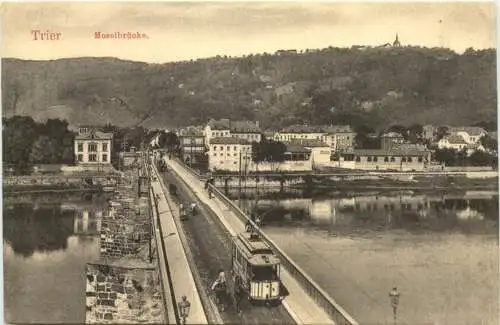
x: 250, y: 163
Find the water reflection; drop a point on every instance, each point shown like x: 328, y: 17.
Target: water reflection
x: 466, y: 212
x: 47, y: 243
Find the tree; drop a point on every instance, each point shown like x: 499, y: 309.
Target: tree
x: 268, y: 151
x: 19, y: 133
x: 481, y: 158
x: 489, y: 143
x: 441, y: 132
x: 447, y: 156
x: 415, y: 133
x: 43, y: 151
x: 169, y: 140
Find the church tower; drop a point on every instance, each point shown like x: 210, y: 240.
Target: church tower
x: 396, y: 42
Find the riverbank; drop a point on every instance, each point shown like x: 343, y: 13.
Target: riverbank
x: 57, y: 182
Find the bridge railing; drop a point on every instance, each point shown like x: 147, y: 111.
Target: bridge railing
x: 320, y: 297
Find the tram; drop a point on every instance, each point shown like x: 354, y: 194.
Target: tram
x: 256, y: 269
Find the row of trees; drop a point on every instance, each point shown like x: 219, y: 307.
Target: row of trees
x: 26, y: 142
x: 453, y: 157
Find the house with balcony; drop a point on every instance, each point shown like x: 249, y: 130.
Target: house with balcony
x: 470, y: 134
x: 192, y: 145
x: 92, y: 147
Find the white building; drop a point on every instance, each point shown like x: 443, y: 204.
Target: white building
x: 247, y: 130
x: 216, y: 129
x: 92, y: 147
x: 338, y: 137
x: 453, y: 141
x: 470, y: 134
x: 320, y: 152
x: 228, y: 153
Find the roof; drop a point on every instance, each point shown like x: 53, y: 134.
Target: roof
x: 339, y: 129
x: 308, y: 143
x: 191, y: 131
x: 292, y: 148
x: 391, y: 135
x: 305, y: 129
x: 297, y: 128
x: 222, y: 124
x: 471, y: 130
x: 455, y: 139
x: 384, y: 152
x: 96, y: 135
x: 257, y: 251
x: 244, y: 127
x: 229, y: 140
x: 235, y: 126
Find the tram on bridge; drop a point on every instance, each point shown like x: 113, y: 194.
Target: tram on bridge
x: 255, y: 269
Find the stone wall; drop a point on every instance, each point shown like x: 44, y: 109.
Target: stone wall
x: 119, y: 295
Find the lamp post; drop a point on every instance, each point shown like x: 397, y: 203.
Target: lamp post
x: 394, y: 295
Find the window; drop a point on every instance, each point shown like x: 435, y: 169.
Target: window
x: 221, y: 148
x: 409, y: 159
x: 403, y: 159
x: 92, y: 147
x: 375, y: 159
x: 393, y: 159
x: 369, y: 159
x: 80, y: 147
x: 358, y: 159
x: 104, y: 147
x: 93, y: 157
x: 234, y: 162
x: 386, y: 159
x: 105, y: 158
x: 420, y: 159
x: 235, y: 154
x: 80, y: 157
x: 215, y: 154
x: 228, y: 148
x: 235, y: 148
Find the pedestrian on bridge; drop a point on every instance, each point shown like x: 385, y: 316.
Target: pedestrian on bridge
x: 184, y: 307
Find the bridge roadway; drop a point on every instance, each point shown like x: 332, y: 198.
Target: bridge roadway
x: 210, y: 245
x: 214, y: 249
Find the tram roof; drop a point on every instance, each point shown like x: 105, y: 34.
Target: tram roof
x: 256, y: 250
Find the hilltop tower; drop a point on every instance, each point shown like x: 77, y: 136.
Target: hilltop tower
x: 396, y: 42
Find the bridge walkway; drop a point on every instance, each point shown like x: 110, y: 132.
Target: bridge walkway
x: 299, y: 304
x: 176, y: 261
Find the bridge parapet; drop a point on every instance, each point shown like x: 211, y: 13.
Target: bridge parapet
x: 334, y: 310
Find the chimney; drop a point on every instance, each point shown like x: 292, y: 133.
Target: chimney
x: 257, y: 123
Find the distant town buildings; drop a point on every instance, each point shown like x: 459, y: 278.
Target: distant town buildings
x: 227, y: 145
x: 92, y: 147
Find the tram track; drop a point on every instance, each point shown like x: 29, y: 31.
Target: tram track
x: 210, y: 244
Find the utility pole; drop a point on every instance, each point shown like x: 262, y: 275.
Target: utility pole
x: 239, y: 172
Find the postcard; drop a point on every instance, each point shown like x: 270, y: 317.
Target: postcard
x: 250, y: 163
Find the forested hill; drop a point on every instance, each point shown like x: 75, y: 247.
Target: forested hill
x: 375, y: 86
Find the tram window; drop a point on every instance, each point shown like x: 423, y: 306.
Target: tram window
x: 260, y: 273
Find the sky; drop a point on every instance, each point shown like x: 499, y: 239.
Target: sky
x: 182, y: 31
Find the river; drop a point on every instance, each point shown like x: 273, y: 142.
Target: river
x: 48, y: 239
x: 440, y: 250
